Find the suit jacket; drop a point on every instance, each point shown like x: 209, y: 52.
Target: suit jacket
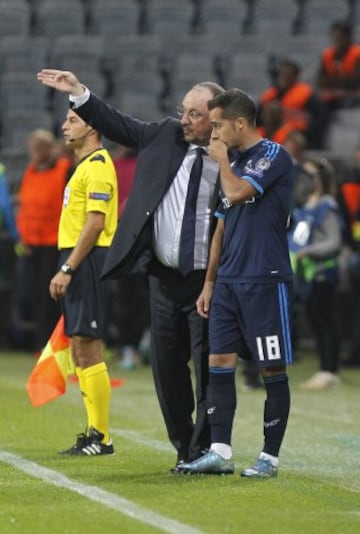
x: 161, y: 149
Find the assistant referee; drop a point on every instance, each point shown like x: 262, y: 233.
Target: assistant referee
x: 87, y: 225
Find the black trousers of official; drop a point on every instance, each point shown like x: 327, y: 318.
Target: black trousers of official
x: 178, y: 333
x: 32, y: 298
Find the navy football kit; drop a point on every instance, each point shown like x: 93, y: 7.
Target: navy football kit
x: 250, y: 305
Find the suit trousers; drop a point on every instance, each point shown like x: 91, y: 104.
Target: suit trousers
x: 179, y: 334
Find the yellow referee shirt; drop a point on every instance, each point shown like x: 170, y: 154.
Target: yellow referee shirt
x: 92, y: 187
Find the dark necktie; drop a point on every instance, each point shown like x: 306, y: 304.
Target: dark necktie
x: 187, y: 237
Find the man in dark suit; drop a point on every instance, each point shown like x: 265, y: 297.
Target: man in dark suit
x: 165, y: 231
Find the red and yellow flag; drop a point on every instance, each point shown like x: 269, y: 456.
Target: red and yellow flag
x: 48, y: 378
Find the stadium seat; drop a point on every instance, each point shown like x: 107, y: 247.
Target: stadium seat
x: 141, y: 103
x: 15, y: 17
x: 130, y: 60
x: 320, y: 14
x: 23, y: 53
x: 342, y: 138
x: 15, y: 159
x: 225, y: 17
x: 174, y: 45
x: 55, y: 18
x: 78, y: 52
x: 249, y: 72
x: 349, y: 117
x: 140, y: 82
x: 131, y: 53
x: 190, y: 69
x: 21, y: 91
x: 16, y: 126
x: 115, y: 18
x: 169, y: 17
x: 276, y: 16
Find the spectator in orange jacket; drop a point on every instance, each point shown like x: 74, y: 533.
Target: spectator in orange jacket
x: 291, y: 104
x: 39, y: 207
x: 339, y: 73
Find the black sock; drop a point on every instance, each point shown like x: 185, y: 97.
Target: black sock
x: 276, y: 412
x: 221, y: 402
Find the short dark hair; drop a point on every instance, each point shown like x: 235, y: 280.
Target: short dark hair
x: 235, y: 103
x: 343, y: 26
x: 213, y: 87
x: 290, y: 64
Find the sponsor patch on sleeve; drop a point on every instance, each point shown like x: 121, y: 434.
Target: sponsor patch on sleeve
x: 99, y: 196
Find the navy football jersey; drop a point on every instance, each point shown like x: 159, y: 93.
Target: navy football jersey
x: 255, y: 247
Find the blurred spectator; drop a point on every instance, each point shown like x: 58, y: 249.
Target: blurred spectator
x: 39, y: 207
x: 125, y: 164
x: 350, y: 196
x: 7, y: 218
x: 339, y: 73
x: 130, y: 311
x: 296, y: 145
x: 315, y: 240
x: 290, y: 105
x: 8, y: 236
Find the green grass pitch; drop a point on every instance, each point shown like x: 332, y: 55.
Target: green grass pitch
x: 317, y: 490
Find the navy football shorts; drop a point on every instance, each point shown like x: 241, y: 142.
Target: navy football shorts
x: 252, y: 320
x: 86, y: 300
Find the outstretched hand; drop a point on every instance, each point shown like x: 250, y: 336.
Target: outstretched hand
x: 62, y: 80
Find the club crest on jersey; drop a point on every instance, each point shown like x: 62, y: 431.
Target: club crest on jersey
x: 251, y: 170
x: 263, y: 164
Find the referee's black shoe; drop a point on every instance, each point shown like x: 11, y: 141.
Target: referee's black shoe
x: 90, y: 445
x: 177, y: 469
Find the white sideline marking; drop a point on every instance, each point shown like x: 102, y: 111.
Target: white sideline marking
x: 140, y: 439
x: 111, y: 500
